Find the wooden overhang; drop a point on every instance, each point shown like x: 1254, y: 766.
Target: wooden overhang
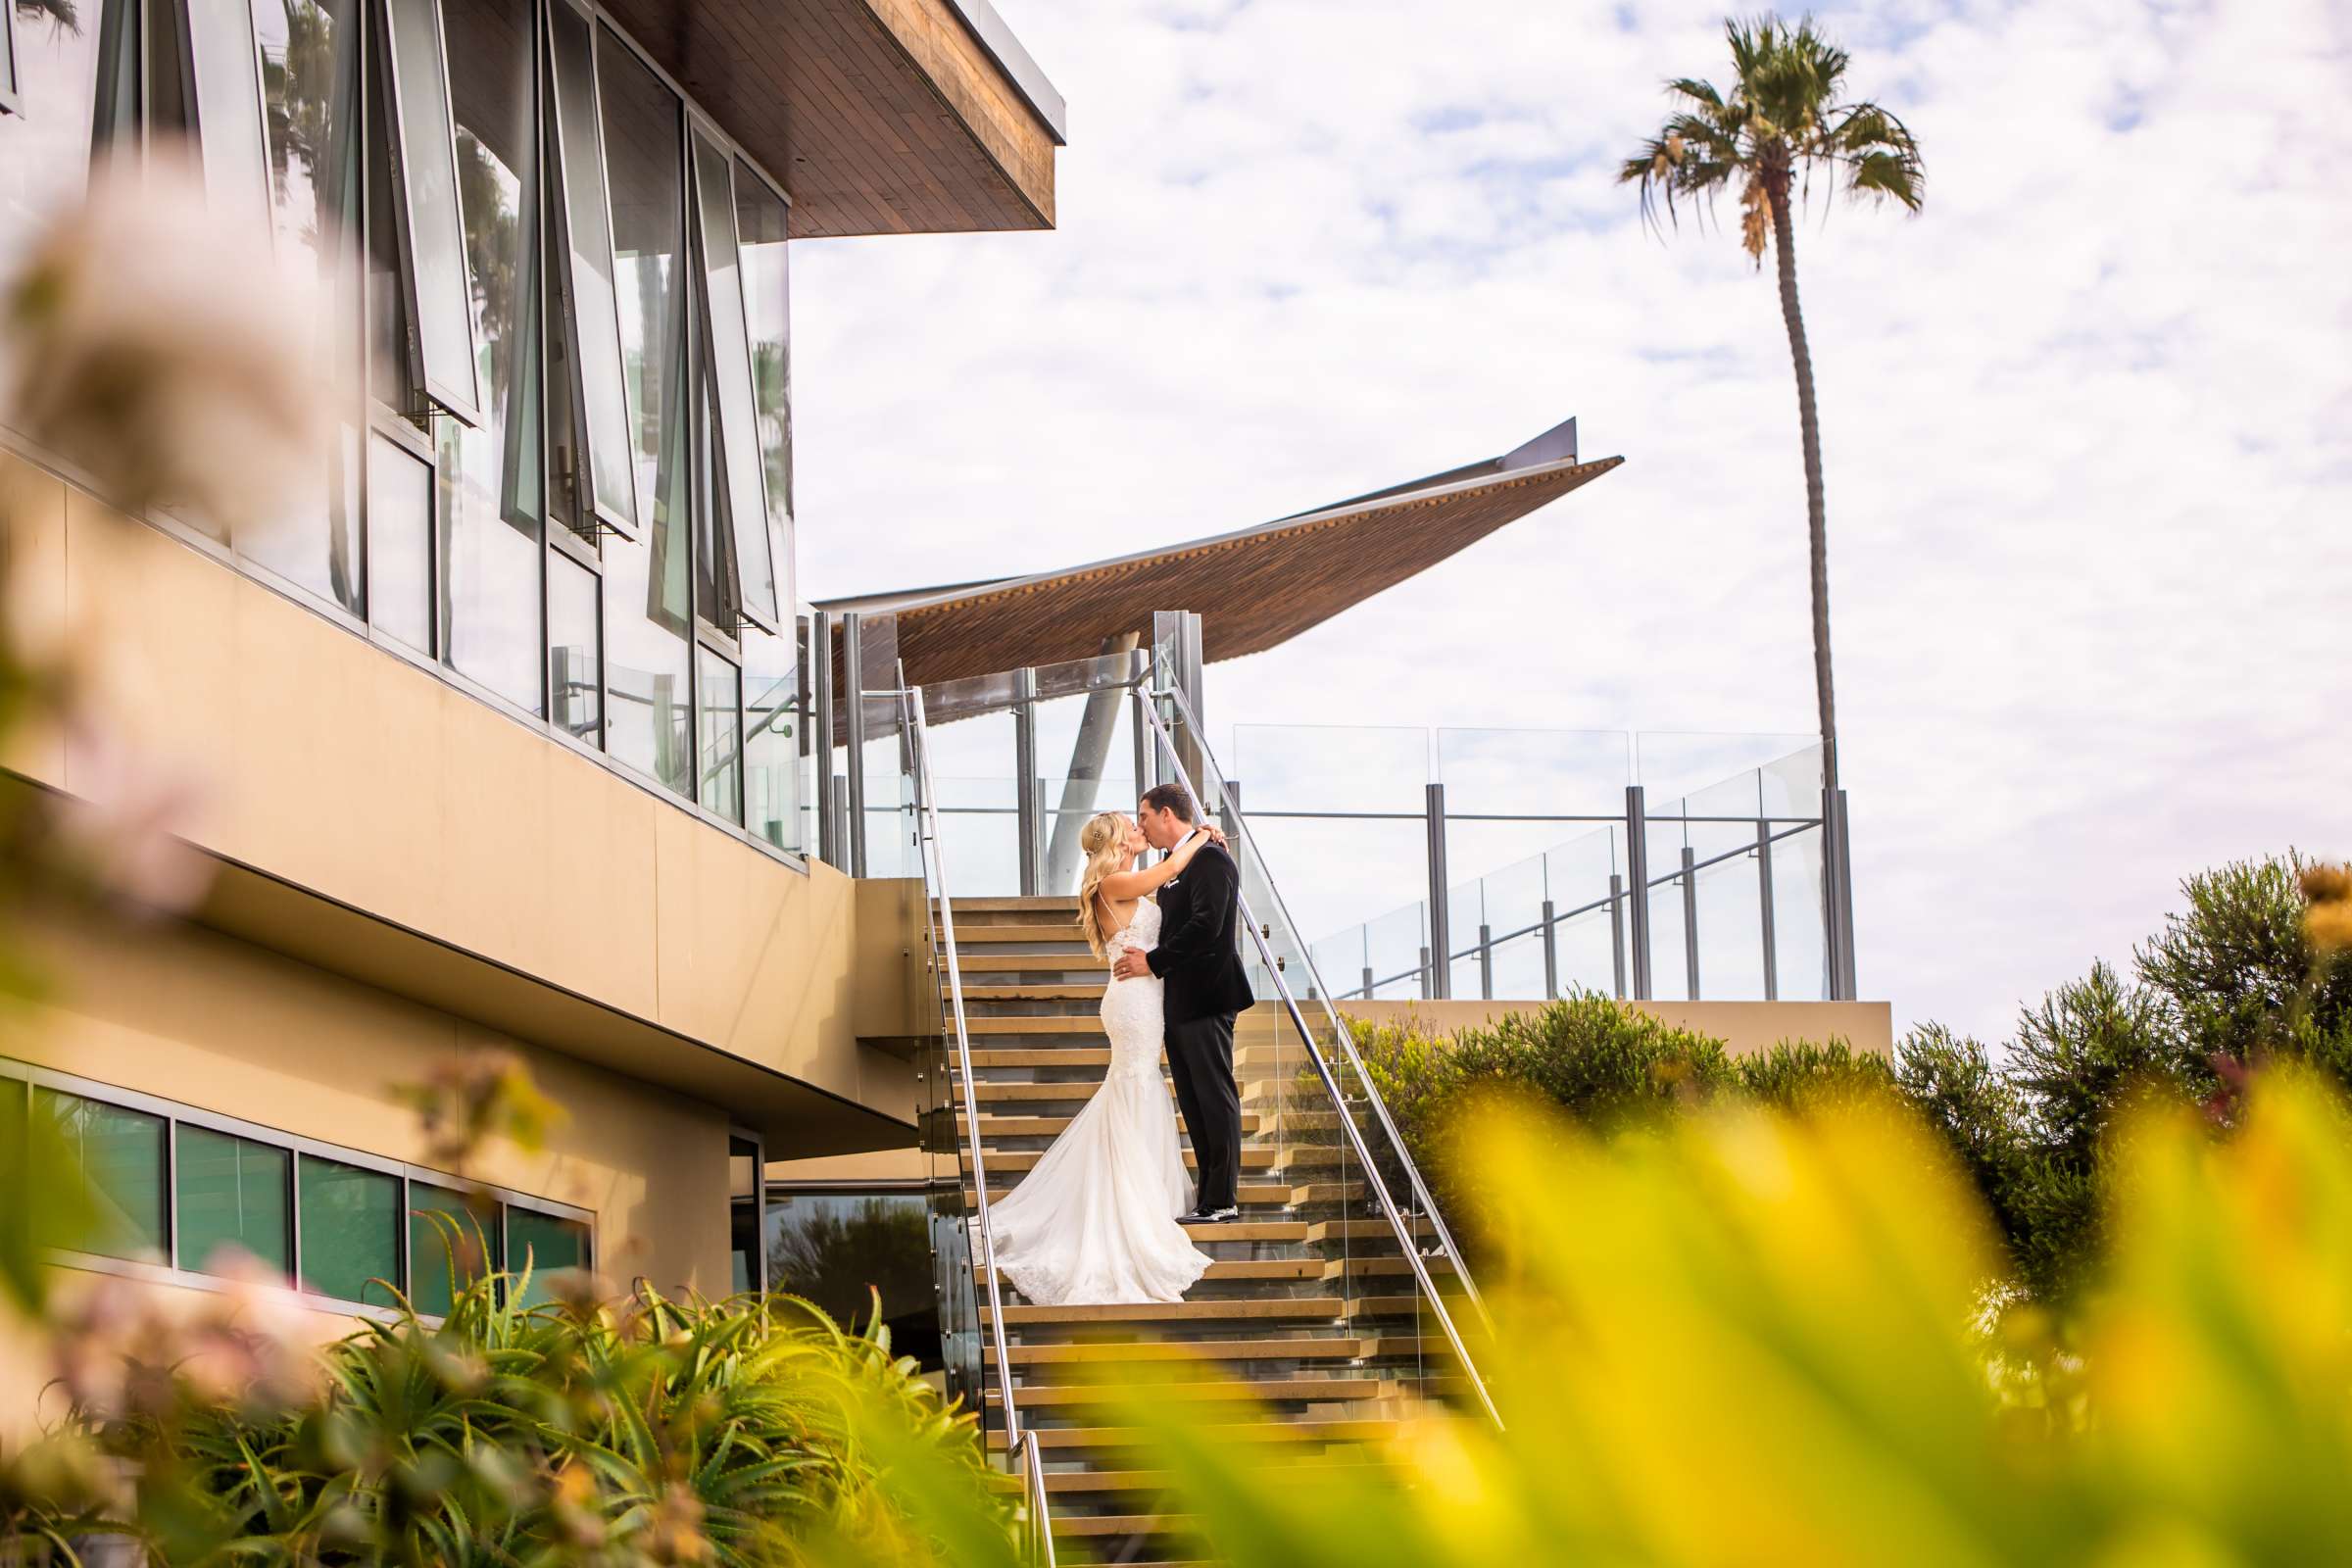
x: 1254, y: 590
x: 881, y: 117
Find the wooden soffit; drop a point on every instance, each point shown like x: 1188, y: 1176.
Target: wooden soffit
x: 881, y: 117
x: 1254, y: 590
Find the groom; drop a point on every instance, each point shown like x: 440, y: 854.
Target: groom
x: 1201, y: 964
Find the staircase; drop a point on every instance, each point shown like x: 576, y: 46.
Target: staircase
x: 1308, y: 1336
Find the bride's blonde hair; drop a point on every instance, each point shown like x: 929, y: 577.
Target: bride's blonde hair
x: 1104, y: 841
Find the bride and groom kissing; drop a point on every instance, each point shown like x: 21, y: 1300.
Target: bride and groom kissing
x: 1101, y: 1217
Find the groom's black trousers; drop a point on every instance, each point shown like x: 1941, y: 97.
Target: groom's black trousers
x: 1200, y: 1061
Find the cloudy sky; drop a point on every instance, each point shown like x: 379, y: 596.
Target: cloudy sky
x: 2088, y: 419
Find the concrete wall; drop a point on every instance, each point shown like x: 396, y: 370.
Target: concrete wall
x: 219, y: 1024
x: 333, y: 766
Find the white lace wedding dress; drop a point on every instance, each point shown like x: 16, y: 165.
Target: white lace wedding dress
x: 1096, y: 1221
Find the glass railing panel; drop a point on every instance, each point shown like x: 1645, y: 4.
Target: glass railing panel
x: 1671, y: 763
x: 1722, y: 830
x: 1332, y: 767
x: 1397, y: 952
x: 979, y: 822
x: 1586, y: 879
x: 1669, y: 956
x: 1534, y: 772
x: 1799, y: 941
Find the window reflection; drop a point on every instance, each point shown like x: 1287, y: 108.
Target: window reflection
x: 721, y: 737
x: 761, y: 220
x: 400, y: 515
x: 838, y: 1249
x: 574, y: 680
x: 490, y: 476
x: 309, y: 83
x: 649, y: 724
x: 45, y: 144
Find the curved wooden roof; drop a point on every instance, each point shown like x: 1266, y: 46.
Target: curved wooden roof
x: 1254, y: 590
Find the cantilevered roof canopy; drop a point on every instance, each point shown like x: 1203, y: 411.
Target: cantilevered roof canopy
x: 1254, y: 590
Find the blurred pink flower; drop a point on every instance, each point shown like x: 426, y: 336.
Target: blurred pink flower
x: 162, y: 347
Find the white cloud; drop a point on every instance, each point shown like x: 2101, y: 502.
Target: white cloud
x: 2087, y: 420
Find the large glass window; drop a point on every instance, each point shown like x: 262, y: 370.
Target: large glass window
x: 45, y: 143
x: 838, y: 1249
x: 400, y: 525
x: 439, y: 1216
x: 427, y: 198
x: 603, y: 484
x: 233, y: 1193
x: 761, y: 224
x: 574, y: 676
x: 491, y: 511
x: 311, y: 83
x: 220, y: 45
x: 721, y: 738
x: 350, y: 1225
x: 121, y: 1156
x: 648, y: 720
x: 543, y: 1244
x: 742, y: 582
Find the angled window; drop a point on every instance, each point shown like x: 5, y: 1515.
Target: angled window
x: 226, y: 63
x: 739, y: 498
x: 604, y: 482
x: 425, y: 205
x: 9, y: 99
x: 233, y: 1193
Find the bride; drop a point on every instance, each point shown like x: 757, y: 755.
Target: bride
x: 1095, y: 1222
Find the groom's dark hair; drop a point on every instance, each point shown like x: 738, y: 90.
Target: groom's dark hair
x: 1170, y: 798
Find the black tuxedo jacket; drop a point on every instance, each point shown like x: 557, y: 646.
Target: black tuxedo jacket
x: 1199, y: 953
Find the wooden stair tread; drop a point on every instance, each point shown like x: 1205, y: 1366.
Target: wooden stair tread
x: 985, y: 934
x: 1087, y: 1353
x: 1298, y: 1308
x: 995, y: 1127
x: 1207, y: 1391
x: 1008, y: 1160
x: 1252, y: 1195
x: 1035, y: 991
x: 1255, y: 1268
x: 1013, y: 904
x: 1029, y: 963
x: 1321, y: 1429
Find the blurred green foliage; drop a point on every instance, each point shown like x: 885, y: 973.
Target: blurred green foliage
x: 1755, y: 1335
x: 652, y: 1431
x: 2232, y: 981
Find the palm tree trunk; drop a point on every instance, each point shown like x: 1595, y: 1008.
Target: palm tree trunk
x: 1808, y: 420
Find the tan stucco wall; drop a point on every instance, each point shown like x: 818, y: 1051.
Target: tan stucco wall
x: 1744, y: 1026
x: 212, y: 1022
x: 332, y: 763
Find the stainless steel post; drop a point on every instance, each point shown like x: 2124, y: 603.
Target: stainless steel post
x: 1690, y: 919
x: 1637, y: 866
x: 1617, y: 931
x: 1772, y: 944
x: 1024, y: 767
x: 1846, y: 900
x: 1551, y: 957
x: 1486, y: 961
x: 822, y: 727
x: 1428, y: 976
x: 1367, y: 982
x: 1441, y: 937
x: 853, y: 664
x: 1146, y: 775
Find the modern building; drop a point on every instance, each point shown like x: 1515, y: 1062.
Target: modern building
x: 519, y: 731
x: 496, y: 740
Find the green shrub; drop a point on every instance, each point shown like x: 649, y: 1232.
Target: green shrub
x: 752, y: 1431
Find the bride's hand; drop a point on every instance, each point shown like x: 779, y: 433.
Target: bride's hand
x: 1214, y: 834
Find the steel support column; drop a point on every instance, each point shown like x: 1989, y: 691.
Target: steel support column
x: 1440, y: 936
x: 1637, y: 866
x: 852, y: 665
x: 824, y: 718
x: 1772, y: 946
x: 1690, y: 919
x: 1024, y: 766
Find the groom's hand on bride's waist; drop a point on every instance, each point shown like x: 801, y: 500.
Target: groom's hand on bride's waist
x: 1131, y: 966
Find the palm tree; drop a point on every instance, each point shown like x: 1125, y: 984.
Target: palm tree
x: 1785, y: 119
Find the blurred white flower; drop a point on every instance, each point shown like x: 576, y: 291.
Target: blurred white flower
x: 162, y: 347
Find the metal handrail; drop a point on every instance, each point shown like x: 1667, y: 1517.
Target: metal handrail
x: 935, y: 874
x: 1355, y: 1137
x: 1320, y: 988
x: 1041, y: 1513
